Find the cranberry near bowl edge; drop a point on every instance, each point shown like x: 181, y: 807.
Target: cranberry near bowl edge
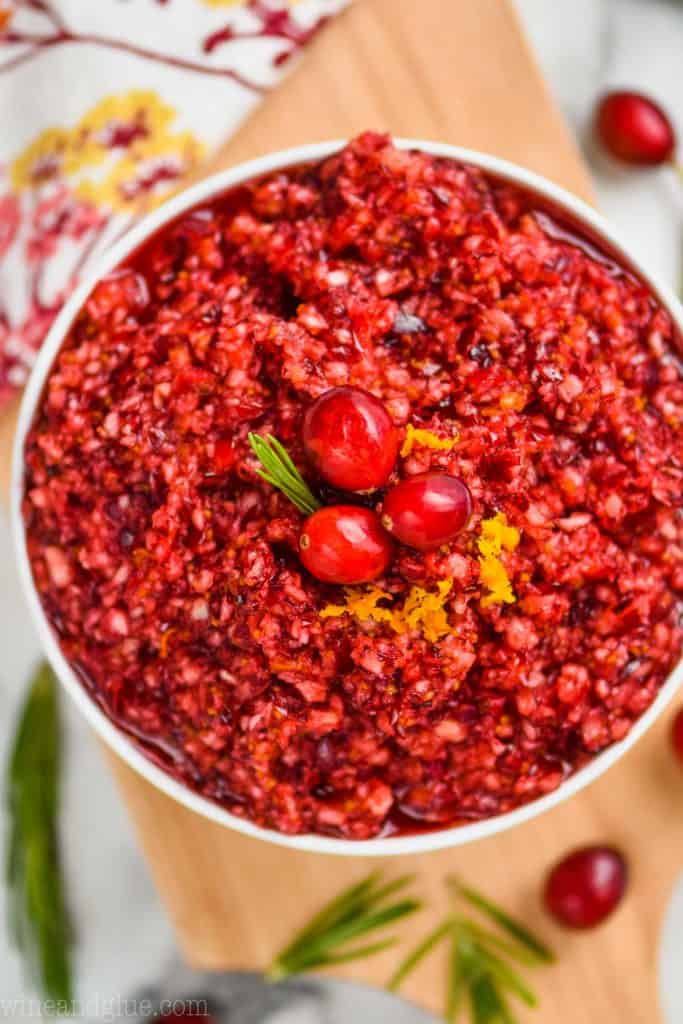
x: 212, y: 187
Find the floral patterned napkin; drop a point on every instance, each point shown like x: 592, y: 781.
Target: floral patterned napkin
x: 103, y: 104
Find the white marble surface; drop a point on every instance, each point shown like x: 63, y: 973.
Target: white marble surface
x: 124, y: 937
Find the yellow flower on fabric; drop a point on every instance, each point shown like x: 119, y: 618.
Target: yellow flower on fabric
x: 42, y: 160
x: 121, y: 150
x: 118, y: 122
x: 151, y: 170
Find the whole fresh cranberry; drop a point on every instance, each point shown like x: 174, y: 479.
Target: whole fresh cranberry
x: 345, y: 544
x: 584, y: 888
x: 351, y: 439
x: 635, y: 129
x: 426, y: 510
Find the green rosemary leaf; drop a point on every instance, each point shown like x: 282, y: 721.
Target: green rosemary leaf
x: 504, y: 921
x: 506, y: 976
x: 348, y: 903
x: 358, y: 911
x: 359, y: 952
x: 487, y: 1004
x: 322, y: 951
x: 38, y: 915
x: 380, y: 893
x: 357, y: 926
x: 492, y: 941
x: 280, y: 471
x: 460, y: 968
x: 283, y: 455
x: 418, y: 954
x: 479, y: 967
x: 281, y: 476
x: 351, y: 906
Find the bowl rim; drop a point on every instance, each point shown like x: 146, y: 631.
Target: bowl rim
x: 119, y: 741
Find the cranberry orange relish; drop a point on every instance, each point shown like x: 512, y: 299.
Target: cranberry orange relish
x: 428, y: 598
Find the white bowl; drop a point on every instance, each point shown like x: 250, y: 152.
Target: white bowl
x: 119, y: 741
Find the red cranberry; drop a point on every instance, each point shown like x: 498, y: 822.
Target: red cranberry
x: 224, y: 457
x: 633, y: 128
x: 586, y: 886
x: 677, y: 734
x: 345, y: 544
x: 427, y: 510
x: 351, y: 439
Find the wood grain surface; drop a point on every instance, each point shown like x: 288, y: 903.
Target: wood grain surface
x: 458, y: 71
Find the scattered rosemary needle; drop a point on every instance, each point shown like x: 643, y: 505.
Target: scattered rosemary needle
x: 38, y: 916
x: 518, y: 931
x: 358, y: 911
x: 279, y: 471
x: 479, y: 970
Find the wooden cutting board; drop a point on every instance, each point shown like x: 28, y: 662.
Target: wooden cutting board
x: 458, y: 71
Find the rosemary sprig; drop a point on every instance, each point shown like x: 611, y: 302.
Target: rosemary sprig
x: 37, y: 913
x: 518, y: 932
x: 479, y: 960
x: 280, y: 471
x: 358, y: 911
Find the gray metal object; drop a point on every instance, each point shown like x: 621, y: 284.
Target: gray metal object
x: 245, y: 998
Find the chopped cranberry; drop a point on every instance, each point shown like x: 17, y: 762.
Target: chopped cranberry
x: 345, y: 544
x: 427, y: 510
x: 586, y: 886
x: 635, y: 129
x: 225, y: 456
x: 351, y: 439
